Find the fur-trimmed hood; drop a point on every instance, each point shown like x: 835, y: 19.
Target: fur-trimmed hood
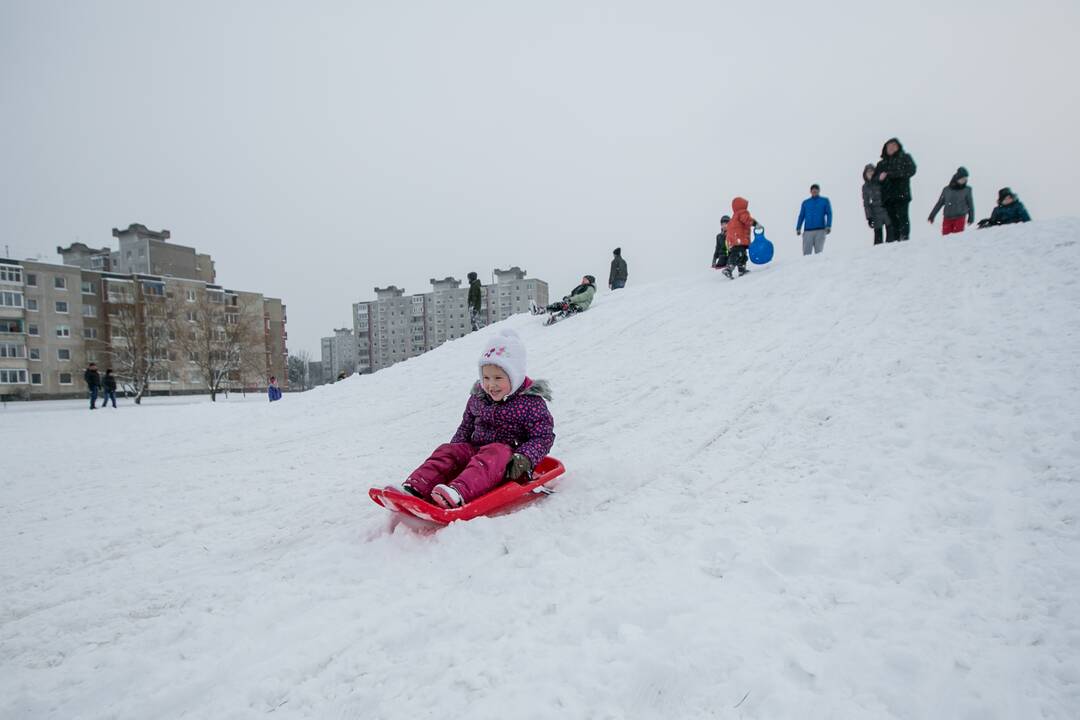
x: 540, y: 388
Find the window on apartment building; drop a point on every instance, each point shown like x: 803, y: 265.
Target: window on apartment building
x: 35, y: 353
x: 65, y: 378
x: 89, y: 333
x: 91, y: 356
x: 87, y: 287
x: 12, y: 377
x: 11, y: 299
x: 31, y: 304
x: 31, y: 279
x: 154, y: 288
x: 61, y: 306
x: 60, y: 283
x: 63, y: 354
x: 31, y: 328
x: 190, y: 295
x: 63, y: 331
x: 35, y: 378
x: 89, y: 311
x: 191, y: 316
x: 12, y: 350
x: 10, y: 273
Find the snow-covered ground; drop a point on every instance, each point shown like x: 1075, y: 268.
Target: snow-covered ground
x: 845, y: 486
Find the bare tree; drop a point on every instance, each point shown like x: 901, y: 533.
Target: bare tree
x: 221, y: 336
x: 138, y: 333
x: 298, y: 369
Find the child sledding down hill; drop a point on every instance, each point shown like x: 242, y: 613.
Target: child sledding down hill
x: 579, y: 300
x: 738, y: 236
x: 1009, y: 210
x: 505, y: 431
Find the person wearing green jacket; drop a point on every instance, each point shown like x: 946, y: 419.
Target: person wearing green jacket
x: 579, y: 300
x: 476, y: 294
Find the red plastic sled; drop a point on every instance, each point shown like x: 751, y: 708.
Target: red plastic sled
x: 548, y: 469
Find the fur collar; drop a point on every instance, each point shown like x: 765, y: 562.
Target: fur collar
x: 540, y: 388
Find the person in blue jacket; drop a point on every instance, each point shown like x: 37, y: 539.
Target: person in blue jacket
x: 272, y: 390
x: 815, y: 221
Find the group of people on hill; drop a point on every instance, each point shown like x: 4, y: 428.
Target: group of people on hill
x: 886, y: 196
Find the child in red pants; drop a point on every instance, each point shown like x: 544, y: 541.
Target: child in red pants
x: 505, y: 431
x: 956, y: 199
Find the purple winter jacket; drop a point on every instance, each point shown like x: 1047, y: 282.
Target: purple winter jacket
x: 521, y: 421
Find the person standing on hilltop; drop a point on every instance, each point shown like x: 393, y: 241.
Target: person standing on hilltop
x: 617, y: 276
x: 957, y: 200
x: 816, y: 213
x: 894, y: 172
x: 476, y: 299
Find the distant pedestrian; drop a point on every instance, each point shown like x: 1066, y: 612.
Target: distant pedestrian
x: 719, y: 256
x: 957, y: 200
x: 894, y: 172
x: 109, y: 384
x: 617, y: 276
x: 93, y: 383
x: 816, y: 213
x: 873, y: 207
x: 341, y: 375
x: 1009, y: 210
x: 476, y: 299
x: 738, y: 237
x: 272, y: 390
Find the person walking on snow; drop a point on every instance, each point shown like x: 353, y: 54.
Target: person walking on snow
x: 738, y: 237
x: 109, y: 392
x: 617, y: 276
x: 719, y: 256
x: 1009, y: 210
x: 957, y: 200
x: 93, y: 383
x: 874, y: 209
x: 816, y: 213
x: 505, y: 432
x: 894, y: 172
x: 476, y: 298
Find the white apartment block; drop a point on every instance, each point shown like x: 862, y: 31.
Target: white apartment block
x: 395, y: 326
x: 55, y: 319
x: 338, y: 354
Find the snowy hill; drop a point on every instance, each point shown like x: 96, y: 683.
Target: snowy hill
x: 844, y: 486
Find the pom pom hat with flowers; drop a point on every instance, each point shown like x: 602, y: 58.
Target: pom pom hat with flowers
x: 507, y: 351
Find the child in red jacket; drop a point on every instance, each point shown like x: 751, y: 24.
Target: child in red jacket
x: 738, y: 236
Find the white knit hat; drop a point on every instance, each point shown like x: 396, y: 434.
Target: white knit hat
x: 507, y: 352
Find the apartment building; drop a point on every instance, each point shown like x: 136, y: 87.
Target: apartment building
x: 395, y: 326
x: 55, y: 319
x: 338, y: 354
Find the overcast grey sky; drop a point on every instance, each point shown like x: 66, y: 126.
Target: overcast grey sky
x: 317, y: 149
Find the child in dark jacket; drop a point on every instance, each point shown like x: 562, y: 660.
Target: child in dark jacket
x: 505, y: 432
x: 738, y: 236
x: 719, y: 256
x: 876, y: 216
x: 957, y: 200
x: 1009, y: 210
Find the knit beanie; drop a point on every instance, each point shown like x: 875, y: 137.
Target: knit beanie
x: 471, y: 276
x: 961, y: 172
x: 1004, y: 193
x: 507, y: 352
x: 617, y: 251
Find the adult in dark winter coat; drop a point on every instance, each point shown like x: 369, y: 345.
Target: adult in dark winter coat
x: 617, y: 276
x: 93, y: 383
x: 1009, y: 210
x: 872, y: 204
x: 816, y: 214
x: 719, y: 256
x: 894, y: 172
x: 109, y: 392
x: 958, y: 203
x: 476, y: 297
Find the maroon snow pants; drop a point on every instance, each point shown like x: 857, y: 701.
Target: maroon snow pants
x: 472, y: 471
x: 952, y: 225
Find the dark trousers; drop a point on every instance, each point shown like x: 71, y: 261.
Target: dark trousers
x: 618, y: 284
x: 899, y: 227
x: 737, y: 257
x: 879, y: 235
x: 93, y: 396
x: 106, y: 395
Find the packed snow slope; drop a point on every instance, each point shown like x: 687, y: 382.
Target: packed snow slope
x: 845, y: 486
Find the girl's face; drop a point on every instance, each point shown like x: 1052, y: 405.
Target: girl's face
x: 495, y: 382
